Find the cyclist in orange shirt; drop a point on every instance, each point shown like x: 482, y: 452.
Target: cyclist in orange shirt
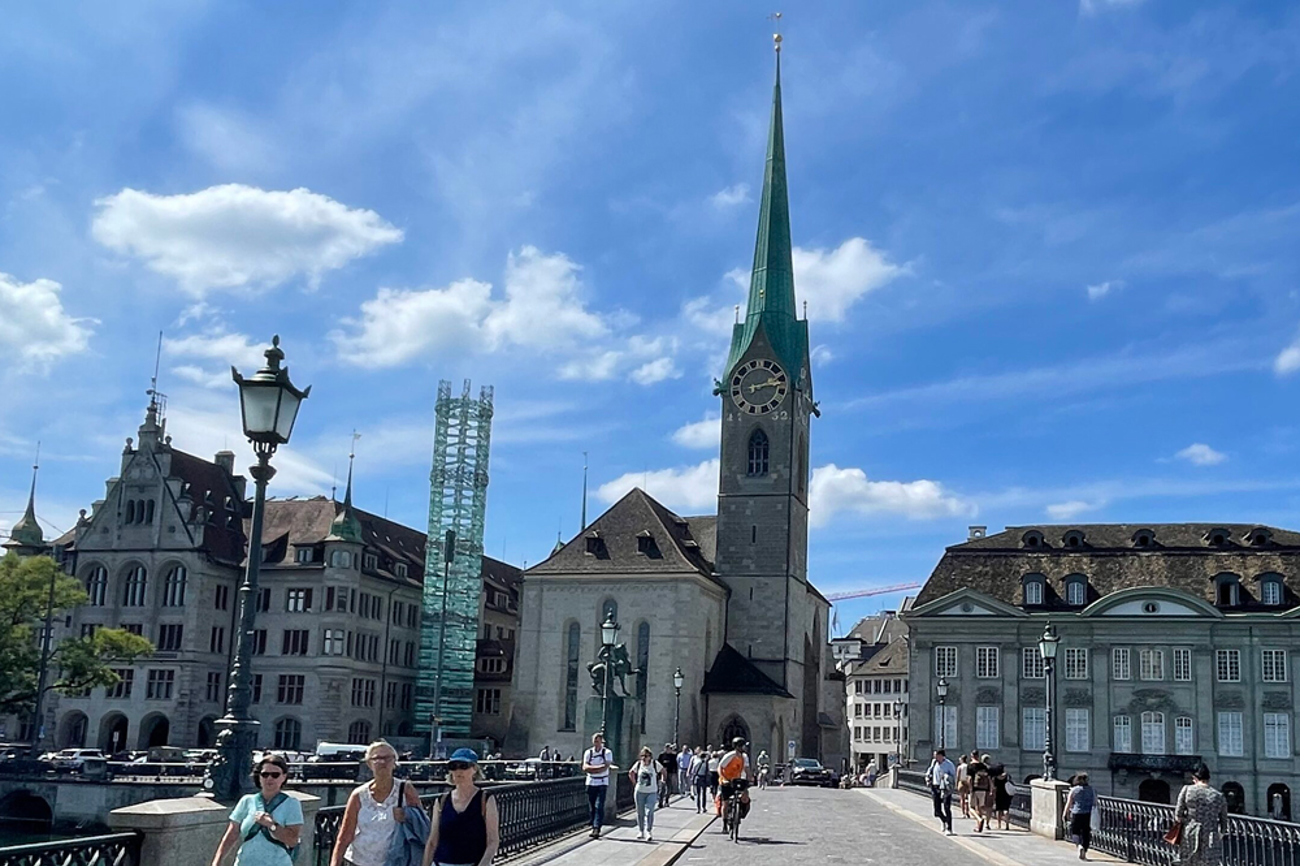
x: 734, y: 772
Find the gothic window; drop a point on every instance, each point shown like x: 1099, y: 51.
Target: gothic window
x: 130, y: 511
x: 758, y: 453
x: 174, y: 587
x: 97, y: 585
x: 133, y: 595
x: 572, y: 652
x: 643, y: 665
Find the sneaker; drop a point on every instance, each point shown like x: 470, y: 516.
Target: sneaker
x: 595, y: 834
x: 640, y: 835
x: 949, y: 833
x: 649, y: 837
x: 1083, y: 855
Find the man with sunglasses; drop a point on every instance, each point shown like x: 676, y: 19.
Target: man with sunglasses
x: 596, y: 762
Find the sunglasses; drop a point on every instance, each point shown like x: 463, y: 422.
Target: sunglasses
x: 270, y: 775
x: 459, y: 765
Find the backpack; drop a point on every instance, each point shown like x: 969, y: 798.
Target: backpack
x: 275, y: 803
x: 982, y: 780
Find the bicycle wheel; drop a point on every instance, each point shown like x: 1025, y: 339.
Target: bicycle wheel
x: 735, y: 822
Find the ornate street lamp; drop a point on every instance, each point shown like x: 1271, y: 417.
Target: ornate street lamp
x: 898, y: 732
x: 269, y: 404
x: 942, y: 688
x: 678, y: 679
x: 608, y: 638
x: 1047, y: 646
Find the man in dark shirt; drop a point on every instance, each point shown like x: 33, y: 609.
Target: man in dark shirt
x: 668, y: 760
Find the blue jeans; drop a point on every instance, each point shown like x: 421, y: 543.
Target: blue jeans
x: 645, y: 810
x: 596, y: 800
x: 701, y: 792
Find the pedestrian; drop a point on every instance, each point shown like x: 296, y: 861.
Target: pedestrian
x: 764, y: 769
x: 715, y: 758
x: 963, y: 785
x: 1001, y: 796
x: 266, y: 825
x: 1202, y: 813
x: 871, y: 775
x: 942, y: 778
x: 648, y: 777
x: 1077, y: 813
x: 466, y: 826
x: 596, y: 762
x: 700, y: 778
x: 668, y: 761
x: 373, y: 811
x: 683, y: 770
x: 981, y: 791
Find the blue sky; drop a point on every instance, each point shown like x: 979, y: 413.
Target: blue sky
x: 1049, y: 250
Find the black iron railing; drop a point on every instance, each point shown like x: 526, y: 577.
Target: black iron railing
x: 1135, y: 831
x: 114, y: 849
x: 1022, y: 802
x: 624, y: 792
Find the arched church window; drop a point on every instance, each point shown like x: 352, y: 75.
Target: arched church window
x: 758, y: 453
x: 572, y: 650
x: 642, y: 665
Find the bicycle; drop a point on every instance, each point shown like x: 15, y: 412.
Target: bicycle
x: 732, y: 809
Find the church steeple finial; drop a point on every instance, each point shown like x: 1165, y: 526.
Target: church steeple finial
x: 346, y: 526
x: 26, y: 534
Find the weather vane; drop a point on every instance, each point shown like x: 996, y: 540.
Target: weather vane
x: 775, y: 18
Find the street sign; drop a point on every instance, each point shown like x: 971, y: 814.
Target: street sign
x: 789, y: 749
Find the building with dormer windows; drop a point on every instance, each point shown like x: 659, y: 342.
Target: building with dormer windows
x: 1176, y: 646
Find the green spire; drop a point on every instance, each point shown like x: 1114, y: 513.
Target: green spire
x: 771, y: 284
x: 346, y: 526
x: 26, y: 533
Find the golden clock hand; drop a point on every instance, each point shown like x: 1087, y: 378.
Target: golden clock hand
x: 770, y: 383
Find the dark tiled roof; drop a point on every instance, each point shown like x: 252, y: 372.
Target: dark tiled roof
x: 309, y: 521
x: 890, y: 659
x: 881, y: 628
x: 211, y: 487
x: 733, y: 674
x: 637, y: 513
x: 1178, y: 557
x: 502, y: 573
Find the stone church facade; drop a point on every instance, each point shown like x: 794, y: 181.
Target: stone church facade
x: 726, y: 598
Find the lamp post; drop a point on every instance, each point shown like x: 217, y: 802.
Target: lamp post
x: 942, y: 688
x: 1047, y: 645
x: 435, y: 727
x: 678, y: 679
x: 898, y: 732
x: 269, y: 405
x: 608, y: 637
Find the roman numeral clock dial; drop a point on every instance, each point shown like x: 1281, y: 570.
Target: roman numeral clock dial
x: 759, y: 386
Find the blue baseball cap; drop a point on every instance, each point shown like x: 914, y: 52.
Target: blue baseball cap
x: 469, y: 756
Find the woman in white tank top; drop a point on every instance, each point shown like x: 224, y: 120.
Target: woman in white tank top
x: 373, y: 812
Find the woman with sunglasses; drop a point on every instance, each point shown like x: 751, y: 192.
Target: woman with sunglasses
x: 466, y: 828
x: 266, y: 825
x: 373, y: 812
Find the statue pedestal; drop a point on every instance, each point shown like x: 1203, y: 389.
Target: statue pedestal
x: 618, y: 734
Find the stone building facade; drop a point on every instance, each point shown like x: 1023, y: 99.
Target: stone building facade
x: 874, y: 659
x: 1177, y: 645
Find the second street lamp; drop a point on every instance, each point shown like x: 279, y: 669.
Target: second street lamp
x: 942, y: 688
x: 678, y: 679
x: 1047, y: 646
x: 608, y: 638
x: 268, y: 404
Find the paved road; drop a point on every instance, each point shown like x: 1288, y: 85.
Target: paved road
x: 817, y: 825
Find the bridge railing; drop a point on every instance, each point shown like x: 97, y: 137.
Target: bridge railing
x: 914, y: 781
x: 114, y: 849
x: 1135, y: 831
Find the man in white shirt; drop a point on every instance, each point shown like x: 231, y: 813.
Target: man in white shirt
x: 683, y: 767
x: 596, y: 762
x: 942, y: 779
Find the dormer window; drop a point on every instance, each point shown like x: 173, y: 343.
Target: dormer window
x: 303, y: 554
x: 1227, y: 590
x: 1073, y: 539
x: 400, y: 569
x: 1032, y: 539
x: 1034, y: 585
x: 1217, y: 537
x: 596, y: 547
x: 1259, y: 537
x: 1076, y: 590
x: 1271, y: 589
x: 1144, y: 538
x: 646, y: 546
x: 370, y: 561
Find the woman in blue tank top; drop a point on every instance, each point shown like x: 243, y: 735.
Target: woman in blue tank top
x: 466, y: 828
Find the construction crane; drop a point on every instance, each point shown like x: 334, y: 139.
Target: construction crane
x: 865, y: 593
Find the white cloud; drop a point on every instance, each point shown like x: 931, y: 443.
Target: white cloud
x: 684, y: 488
x: 1288, y: 360
x: 730, y: 197
x: 35, y: 330
x: 700, y: 434
x: 711, y: 319
x: 655, y: 371
x: 822, y: 355
x: 1093, y: 7
x: 1200, y: 454
x: 399, y: 325
x: 226, y: 138
x: 228, y: 350
x: 1070, y: 510
x: 650, y: 360
x: 834, y: 490
x: 1100, y: 290
x: 543, y: 307
x: 235, y: 236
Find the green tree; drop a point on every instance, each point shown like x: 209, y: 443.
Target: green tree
x: 76, y: 663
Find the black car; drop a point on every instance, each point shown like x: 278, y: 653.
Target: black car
x: 809, y: 771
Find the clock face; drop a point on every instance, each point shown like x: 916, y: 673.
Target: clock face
x: 759, y: 386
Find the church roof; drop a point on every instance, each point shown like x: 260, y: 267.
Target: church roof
x: 614, y: 542
x: 733, y: 674
x: 210, y: 485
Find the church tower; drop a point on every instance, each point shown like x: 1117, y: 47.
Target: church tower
x: 766, y: 393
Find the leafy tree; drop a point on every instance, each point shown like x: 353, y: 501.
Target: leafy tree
x: 76, y: 663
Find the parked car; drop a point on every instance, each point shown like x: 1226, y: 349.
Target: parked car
x: 809, y: 771
x: 75, y: 760
x: 525, y: 770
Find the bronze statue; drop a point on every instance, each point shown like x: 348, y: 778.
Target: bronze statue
x: 620, y: 668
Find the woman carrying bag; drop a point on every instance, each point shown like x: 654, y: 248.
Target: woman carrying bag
x: 266, y: 826
x: 374, y: 812
x: 466, y: 829
x: 1200, y: 820
x: 647, y: 778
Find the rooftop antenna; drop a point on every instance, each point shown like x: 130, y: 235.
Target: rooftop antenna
x: 584, y: 490
x: 737, y: 314
x: 157, y: 400
x: 334, y: 483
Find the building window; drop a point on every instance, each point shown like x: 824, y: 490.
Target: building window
x: 1227, y: 664
x: 1273, y: 666
x: 1123, y: 734
x: 488, y: 702
x: 492, y: 665
x: 174, y: 587
x: 136, y: 581
x: 1183, y: 740
x: 987, y: 732
x: 945, y: 726
x: 1076, y: 592
x: 158, y: 685
x: 259, y: 642
x: 1031, y: 663
x: 986, y: 662
x: 370, y: 561
x: 97, y: 586
x: 297, y: 600
x: 573, y: 651
x: 294, y: 642
x: 645, y: 546
x: 945, y: 661
x: 1230, y: 735
x: 390, y: 696
x: 1076, y: 663
x: 1228, y: 590
x: 88, y: 629
x: 1033, y: 592
x: 121, y: 688
x: 264, y: 599
x: 169, y: 637
x: 257, y: 688
x: 1034, y: 721
x: 134, y: 628
x: 1277, y: 735
x: 1270, y: 591
x: 400, y: 569
x: 1182, y: 664
x: 221, y: 599
x: 359, y: 732
x: 289, y: 689
x: 363, y: 692
x: 758, y: 453
x: 408, y: 691
x: 341, y: 558
x: 1119, y: 664
x: 1153, y: 733
x: 302, y: 555
x: 214, y: 686
x: 217, y: 641
x: 1077, y: 734
x: 288, y: 734
x: 333, y: 644
x: 1151, y: 664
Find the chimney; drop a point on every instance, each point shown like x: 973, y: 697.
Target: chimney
x: 977, y: 532
x: 226, y: 460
